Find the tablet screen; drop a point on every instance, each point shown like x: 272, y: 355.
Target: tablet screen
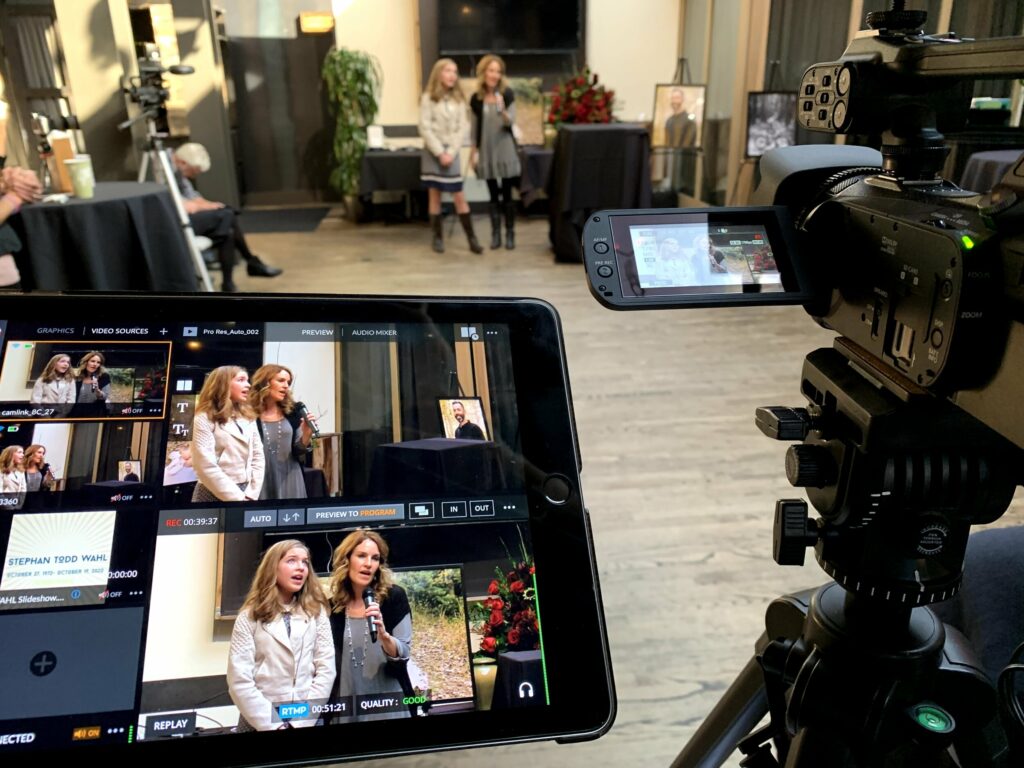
x: 160, y: 477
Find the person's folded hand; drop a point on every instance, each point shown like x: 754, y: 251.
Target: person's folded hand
x: 22, y: 182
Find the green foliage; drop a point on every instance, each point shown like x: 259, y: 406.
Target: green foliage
x: 437, y: 592
x: 353, y: 81
x: 526, y: 89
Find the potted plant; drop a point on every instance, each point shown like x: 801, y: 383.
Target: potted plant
x: 353, y: 80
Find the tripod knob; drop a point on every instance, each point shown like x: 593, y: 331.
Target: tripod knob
x: 793, y: 533
x: 810, y: 466
x: 781, y: 423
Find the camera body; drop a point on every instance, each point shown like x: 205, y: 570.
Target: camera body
x: 148, y: 89
x: 914, y: 275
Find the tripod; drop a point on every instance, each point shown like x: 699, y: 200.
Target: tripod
x: 861, y: 672
x: 157, y: 157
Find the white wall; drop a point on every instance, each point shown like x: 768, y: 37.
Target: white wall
x: 633, y: 47
x: 56, y: 438
x: 389, y: 30
x: 17, y: 365
x: 180, y: 641
x: 313, y: 365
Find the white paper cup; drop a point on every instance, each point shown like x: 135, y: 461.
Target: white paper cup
x: 82, y: 180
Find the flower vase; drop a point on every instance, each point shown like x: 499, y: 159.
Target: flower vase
x: 485, y: 670
x: 550, y: 136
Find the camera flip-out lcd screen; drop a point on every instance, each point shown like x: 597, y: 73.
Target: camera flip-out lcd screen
x: 691, y: 258
x: 223, y: 526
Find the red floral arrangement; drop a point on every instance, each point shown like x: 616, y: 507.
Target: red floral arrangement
x: 153, y: 383
x: 510, y: 612
x: 580, y: 99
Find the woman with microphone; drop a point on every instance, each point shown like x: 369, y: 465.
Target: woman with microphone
x: 286, y: 429
x: 92, y: 385
x: 227, y: 453
x: 37, y: 472
x: 369, y: 661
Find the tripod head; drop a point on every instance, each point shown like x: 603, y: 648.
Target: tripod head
x: 897, y: 475
x: 149, y: 90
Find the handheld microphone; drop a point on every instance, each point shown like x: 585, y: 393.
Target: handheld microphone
x: 369, y: 600
x: 303, y: 411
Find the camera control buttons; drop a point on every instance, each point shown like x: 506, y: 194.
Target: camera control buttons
x: 601, y: 247
x: 936, y: 338
x: 843, y: 81
x: 604, y: 270
x: 839, y: 114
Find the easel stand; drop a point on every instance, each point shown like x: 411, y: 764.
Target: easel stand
x: 861, y: 673
x: 156, y: 157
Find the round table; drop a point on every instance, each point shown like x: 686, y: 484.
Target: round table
x: 126, y: 238
x: 985, y: 169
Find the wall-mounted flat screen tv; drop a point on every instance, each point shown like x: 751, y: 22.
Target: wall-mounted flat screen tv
x: 508, y: 26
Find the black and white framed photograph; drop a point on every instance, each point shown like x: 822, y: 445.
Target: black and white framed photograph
x: 771, y: 121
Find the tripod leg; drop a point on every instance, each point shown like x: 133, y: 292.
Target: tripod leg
x: 734, y: 716
x: 143, y: 168
x: 160, y: 160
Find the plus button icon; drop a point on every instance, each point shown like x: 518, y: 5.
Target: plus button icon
x: 43, y: 663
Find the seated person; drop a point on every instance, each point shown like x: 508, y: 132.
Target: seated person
x: 17, y: 186
x: 214, y: 220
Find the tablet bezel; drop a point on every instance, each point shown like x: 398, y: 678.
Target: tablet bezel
x: 577, y: 660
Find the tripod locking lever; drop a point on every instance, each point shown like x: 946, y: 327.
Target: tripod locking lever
x: 793, y: 533
x: 781, y: 423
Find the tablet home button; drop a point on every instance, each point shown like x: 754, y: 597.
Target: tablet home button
x: 557, y: 489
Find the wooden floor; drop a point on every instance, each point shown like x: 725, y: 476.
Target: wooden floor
x: 680, y: 484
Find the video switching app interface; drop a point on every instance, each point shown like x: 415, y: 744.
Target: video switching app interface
x: 166, y: 487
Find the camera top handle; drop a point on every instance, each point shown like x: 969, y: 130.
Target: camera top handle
x: 906, y: 87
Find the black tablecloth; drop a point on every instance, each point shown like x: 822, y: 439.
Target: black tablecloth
x: 519, y: 681
x: 536, y: 164
x: 985, y: 169
x: 384, y: 169
x: 595, y: 167
x: 126, y: 238
x: 436, y: 466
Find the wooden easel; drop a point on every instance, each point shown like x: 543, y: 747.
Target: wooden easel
x: 743, y: 186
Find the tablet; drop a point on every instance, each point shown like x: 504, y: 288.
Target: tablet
x: 306, y: 528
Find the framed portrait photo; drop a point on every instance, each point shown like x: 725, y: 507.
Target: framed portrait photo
x: 678, y: 116
x: 463, y: 418
x: 771, y: 121
x: 129, y: 471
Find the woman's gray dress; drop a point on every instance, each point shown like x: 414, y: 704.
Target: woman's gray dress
x: 282, y: 476
x: 498, y: 158
x: 362, y: 667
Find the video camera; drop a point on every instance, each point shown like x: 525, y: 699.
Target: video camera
x: 148, y: 88
x: 912, y: 432
x: 921, y: 275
